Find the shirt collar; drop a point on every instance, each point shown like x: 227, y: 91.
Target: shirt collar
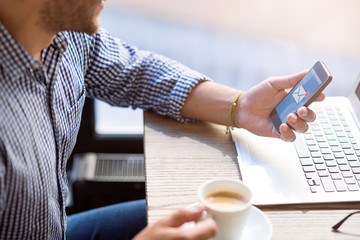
x: 60, y: 42
x: 16, y: 59
x: 13, y: 55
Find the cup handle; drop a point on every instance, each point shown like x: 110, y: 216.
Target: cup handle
x: 204, y: 215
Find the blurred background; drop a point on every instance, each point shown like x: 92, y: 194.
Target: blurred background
x: 235, y: 42
x: 240, y: 42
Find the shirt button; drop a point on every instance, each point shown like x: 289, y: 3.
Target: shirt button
x: 31, y: 72
x: 37, y: 65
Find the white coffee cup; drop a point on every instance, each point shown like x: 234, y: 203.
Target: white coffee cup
x: 221, y: 198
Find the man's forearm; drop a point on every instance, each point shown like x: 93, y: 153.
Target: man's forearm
x: 210, y: 101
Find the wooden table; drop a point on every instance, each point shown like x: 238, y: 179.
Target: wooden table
x: 179, y: 157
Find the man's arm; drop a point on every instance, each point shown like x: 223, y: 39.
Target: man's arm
x: 209, y: 101
x: 212, y: 102
x: 123, y: 75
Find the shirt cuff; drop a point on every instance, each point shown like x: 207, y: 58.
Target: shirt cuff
x: 181, y: 91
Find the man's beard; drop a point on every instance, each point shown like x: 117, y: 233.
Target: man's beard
x: 69, y: 15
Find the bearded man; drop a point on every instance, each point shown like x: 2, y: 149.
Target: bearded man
x: 53, y: 53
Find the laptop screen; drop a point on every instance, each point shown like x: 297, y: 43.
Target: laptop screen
x: 357, y: 91
x: 354, y: 97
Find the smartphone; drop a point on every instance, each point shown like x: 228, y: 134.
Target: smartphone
x: 303, y: 94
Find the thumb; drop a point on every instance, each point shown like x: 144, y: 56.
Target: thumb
x: 184, y: 215
x: 288, y: 81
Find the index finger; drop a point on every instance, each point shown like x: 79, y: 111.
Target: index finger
x: 184, y: 215
x: 204, y: 229
x: 321, y: 97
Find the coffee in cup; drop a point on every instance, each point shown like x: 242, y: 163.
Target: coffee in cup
x: 225, y: 200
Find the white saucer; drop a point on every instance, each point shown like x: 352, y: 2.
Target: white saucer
x: 257, y: 226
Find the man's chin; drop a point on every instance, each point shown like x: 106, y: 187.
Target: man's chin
x: 92, y: 30
x: 95, y: 27
x: 89, y: 29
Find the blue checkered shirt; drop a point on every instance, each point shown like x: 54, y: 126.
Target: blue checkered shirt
x: 40, y: 113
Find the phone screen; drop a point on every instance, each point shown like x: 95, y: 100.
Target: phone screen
x: 298, y: 95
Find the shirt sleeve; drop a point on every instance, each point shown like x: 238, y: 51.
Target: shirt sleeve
x: 122, y: 75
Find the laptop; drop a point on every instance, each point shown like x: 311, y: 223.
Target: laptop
x: 320, y: 166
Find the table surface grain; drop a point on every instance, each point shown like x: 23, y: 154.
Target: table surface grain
x: 180, y: 157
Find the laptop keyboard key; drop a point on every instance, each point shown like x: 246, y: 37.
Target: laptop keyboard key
x: 336, y: 176
x: 347, y: 174
x: 328, y: 132
x: 333, y: 169
x: 302, y: 149
x: 339, y: 155
x: 313, y: 189
x: 337, y: 128
x: 309, y: 175
x: 354, y: 164
x: 349, y: 152
x: 350, y: 181
x: 353, y: 187
x: 325, y: 151
x: 316, y: 154
x: 309, y: 169
x: 308, y: 136
x: 346, y: 145
x: 323, y: 145
x: 327, y: 183
x: 321, y: 139
x: 336, y: 149
x: 318, y: 133
x: 313, y: 148
x: 312, y: 182
x: 341, y: 134
x: 317, y: 182
x: 331, y: 163
x: 344, y: 168
x: 306, y: 162
x: 320, y: 167
x: 311, y: 142
x: 323, y: 173
x: 340, y: 185
x: 334, y: 143
x: 351, y: 158
x: 341, y: 161
x: 318, y: 160
x: 328, y: 157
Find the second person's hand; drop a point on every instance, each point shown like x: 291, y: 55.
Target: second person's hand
x: 170, y: 227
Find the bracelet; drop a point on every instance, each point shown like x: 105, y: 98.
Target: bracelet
x: 231, y: 115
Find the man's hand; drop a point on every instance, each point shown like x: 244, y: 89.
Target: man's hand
x: 169, y: 228
x: 256, y: 105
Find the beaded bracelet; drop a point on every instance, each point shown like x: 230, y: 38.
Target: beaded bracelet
x: 231, y: 115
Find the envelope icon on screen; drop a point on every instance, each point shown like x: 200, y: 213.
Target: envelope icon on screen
x: 299, y: 94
